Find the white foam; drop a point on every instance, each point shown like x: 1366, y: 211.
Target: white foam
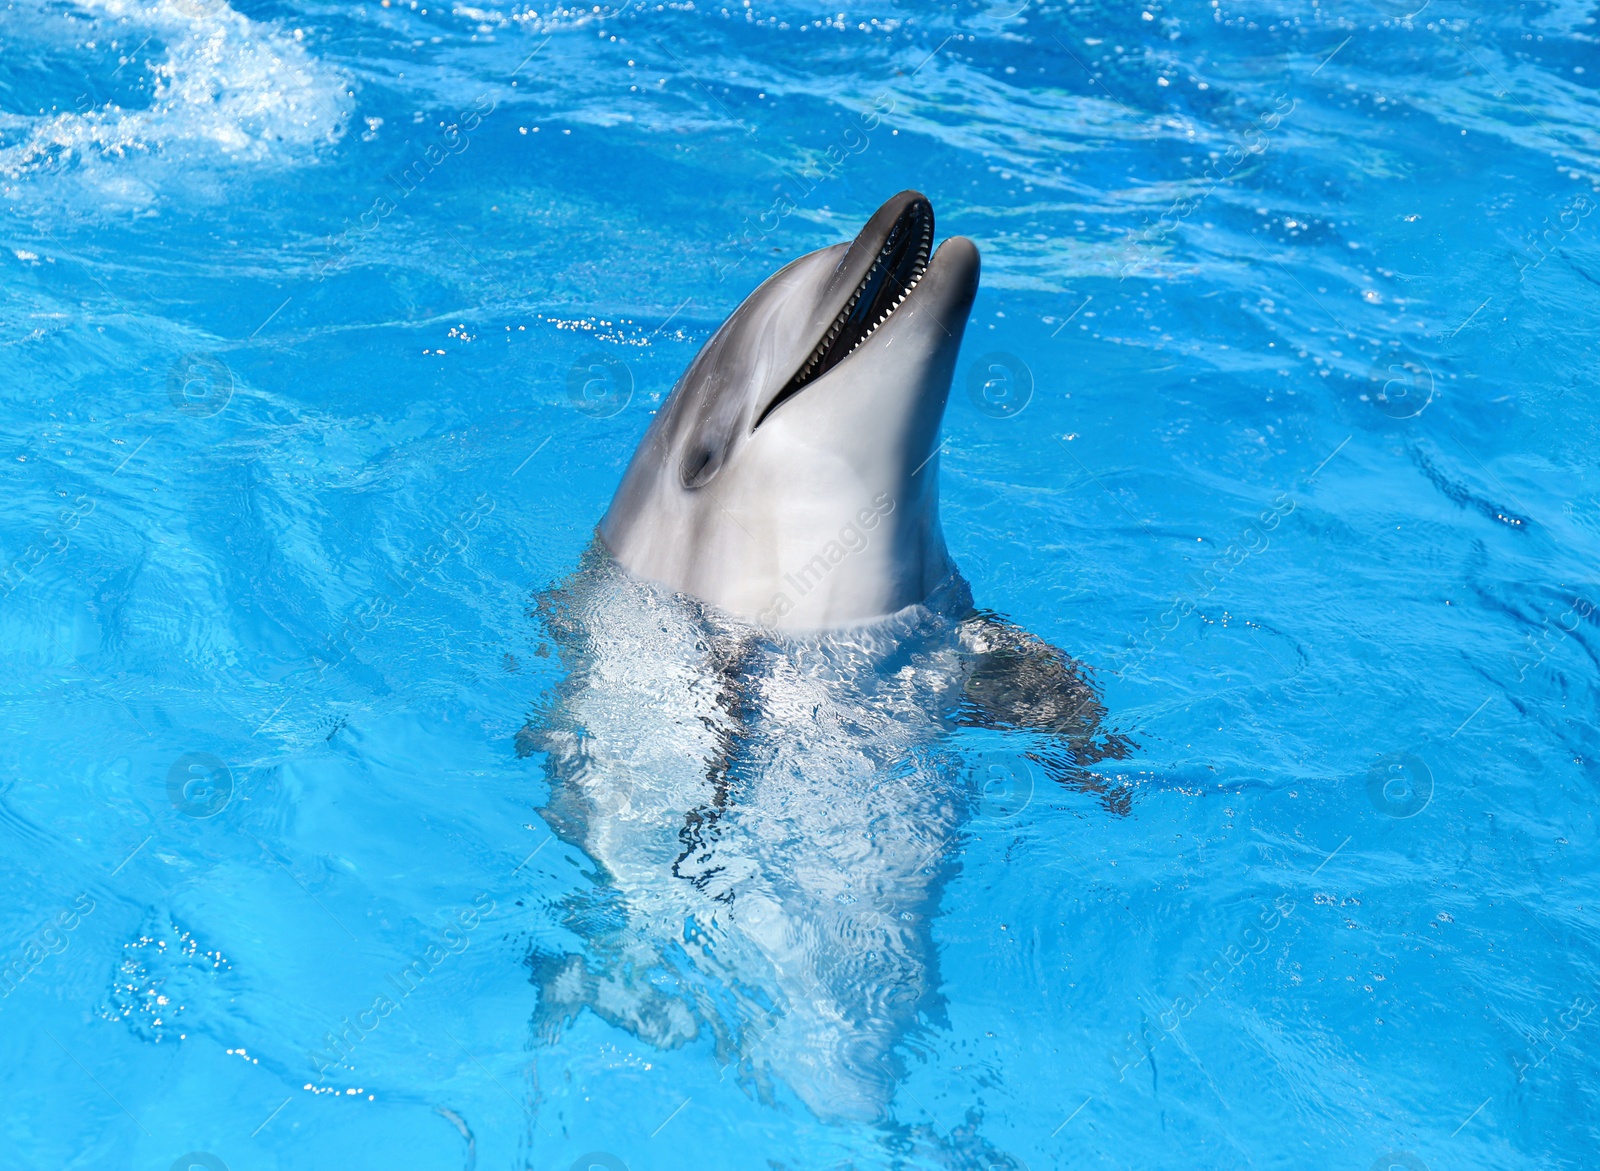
x: 227, y: 90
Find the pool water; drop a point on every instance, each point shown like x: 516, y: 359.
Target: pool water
x: 327, y: 331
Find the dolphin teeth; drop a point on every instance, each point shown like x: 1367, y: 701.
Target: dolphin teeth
x: 819, y: 357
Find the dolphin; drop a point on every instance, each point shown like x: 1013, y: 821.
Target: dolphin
x: 779, y: 709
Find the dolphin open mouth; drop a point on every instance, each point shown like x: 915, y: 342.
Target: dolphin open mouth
x: 901, y: 260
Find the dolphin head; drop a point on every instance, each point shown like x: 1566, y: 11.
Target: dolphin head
x: 791, y: 477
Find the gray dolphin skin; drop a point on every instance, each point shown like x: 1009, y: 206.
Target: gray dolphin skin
x: 777, y: 711
x: 792, y: 477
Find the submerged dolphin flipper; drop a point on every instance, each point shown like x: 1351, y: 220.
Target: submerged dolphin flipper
x: 1017, y: 682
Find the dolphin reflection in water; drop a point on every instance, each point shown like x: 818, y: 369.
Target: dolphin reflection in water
x: 768, y: 656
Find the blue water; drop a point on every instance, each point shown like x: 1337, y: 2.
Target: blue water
x: 327, y: 330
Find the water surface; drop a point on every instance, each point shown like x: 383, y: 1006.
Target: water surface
x: 327, y: 330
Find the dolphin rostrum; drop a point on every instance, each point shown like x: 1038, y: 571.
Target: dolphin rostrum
x: 778, y: 707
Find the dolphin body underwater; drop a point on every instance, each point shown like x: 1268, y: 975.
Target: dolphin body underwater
x: 768, y: 658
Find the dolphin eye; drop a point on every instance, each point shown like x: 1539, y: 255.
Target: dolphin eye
x: 700, y: 465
